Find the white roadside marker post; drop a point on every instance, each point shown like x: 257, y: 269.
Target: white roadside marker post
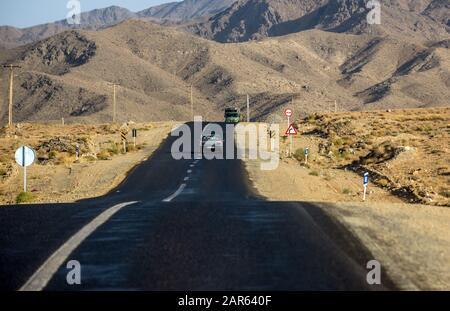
x: 77, y: 152
x: 272, y: 138
x: 134, y: 137
x: 123, y: 135
x: 306, y: 155
x: 366, y: 183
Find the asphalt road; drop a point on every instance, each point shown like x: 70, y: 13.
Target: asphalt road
x: 180, y: 225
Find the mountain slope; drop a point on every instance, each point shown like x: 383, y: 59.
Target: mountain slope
x: 254, y: 19
x: 186, y: 10
x: 68, y: 75
x: 93, y: 20
x: 101, y: 18
x: 439, y: 10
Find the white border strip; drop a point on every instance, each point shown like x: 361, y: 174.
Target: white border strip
x: 177, y: 193
x: 39, y: 280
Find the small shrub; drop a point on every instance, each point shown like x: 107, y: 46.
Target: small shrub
x: 337, y: 142
x: 347, y: 191
x: 314, y: 173
x: 299, y: 155
x: 131, y: 148
x: 90, y: 158
x: 63, y: 158
x: 52, y: 155
x: 383, y: 182
x: 103, y: 155
x: 4, y: 158
x: 445, y: 193
x: 3, y: 172
x: 113, y: 149
x: 24, y: 197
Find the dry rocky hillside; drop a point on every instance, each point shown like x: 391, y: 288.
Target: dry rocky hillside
x: 255, y: 19
x: 67, y: 75
x: 406, y: 152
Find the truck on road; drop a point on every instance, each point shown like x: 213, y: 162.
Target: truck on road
x: 232, y: 115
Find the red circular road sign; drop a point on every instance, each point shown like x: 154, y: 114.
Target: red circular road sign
x: 288, y: 112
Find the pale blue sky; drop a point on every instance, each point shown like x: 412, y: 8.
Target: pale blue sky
x: 25, y: 13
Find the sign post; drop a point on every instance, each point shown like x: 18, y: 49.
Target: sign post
x: 306, y: 155
x: 288, y: 113
x: 25, y: 156
x: 366, y: 183
x: 291, y: 131
x: 134, y: 137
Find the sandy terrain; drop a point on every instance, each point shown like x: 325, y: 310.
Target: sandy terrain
x: 411, y: 241
x: 68, y: 180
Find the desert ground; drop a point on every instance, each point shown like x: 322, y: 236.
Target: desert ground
x: 404, y: 222
x: 57, y: 176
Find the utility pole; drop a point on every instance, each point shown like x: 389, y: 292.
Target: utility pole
x: 248, y: 108
x: 114, y: 85
x: 11, y: 88
x: 192, y: 102
x: 335, y: 106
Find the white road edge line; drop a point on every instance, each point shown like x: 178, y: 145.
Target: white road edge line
x: 177, y: 193
x: 39, y: 280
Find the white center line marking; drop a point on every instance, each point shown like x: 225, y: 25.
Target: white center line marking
x: 186, y: 179
x: 39, y: 280
x: 189, y: 171
x: 177, y: 193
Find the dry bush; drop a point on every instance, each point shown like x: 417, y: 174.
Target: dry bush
x: 314, y: 173
x: 114, y: 149
x: 24, y: 197
x: 445, y: 193
x: 104, y: 155
x: 383, y: 182
x: 299, y: 155
x: 63, y: 159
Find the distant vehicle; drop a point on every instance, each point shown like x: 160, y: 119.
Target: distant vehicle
x: 232, y: 115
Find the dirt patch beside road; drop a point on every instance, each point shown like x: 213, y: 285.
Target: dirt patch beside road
x: 412, y: 242
x: 57, y: 177
x: 408, y: 150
